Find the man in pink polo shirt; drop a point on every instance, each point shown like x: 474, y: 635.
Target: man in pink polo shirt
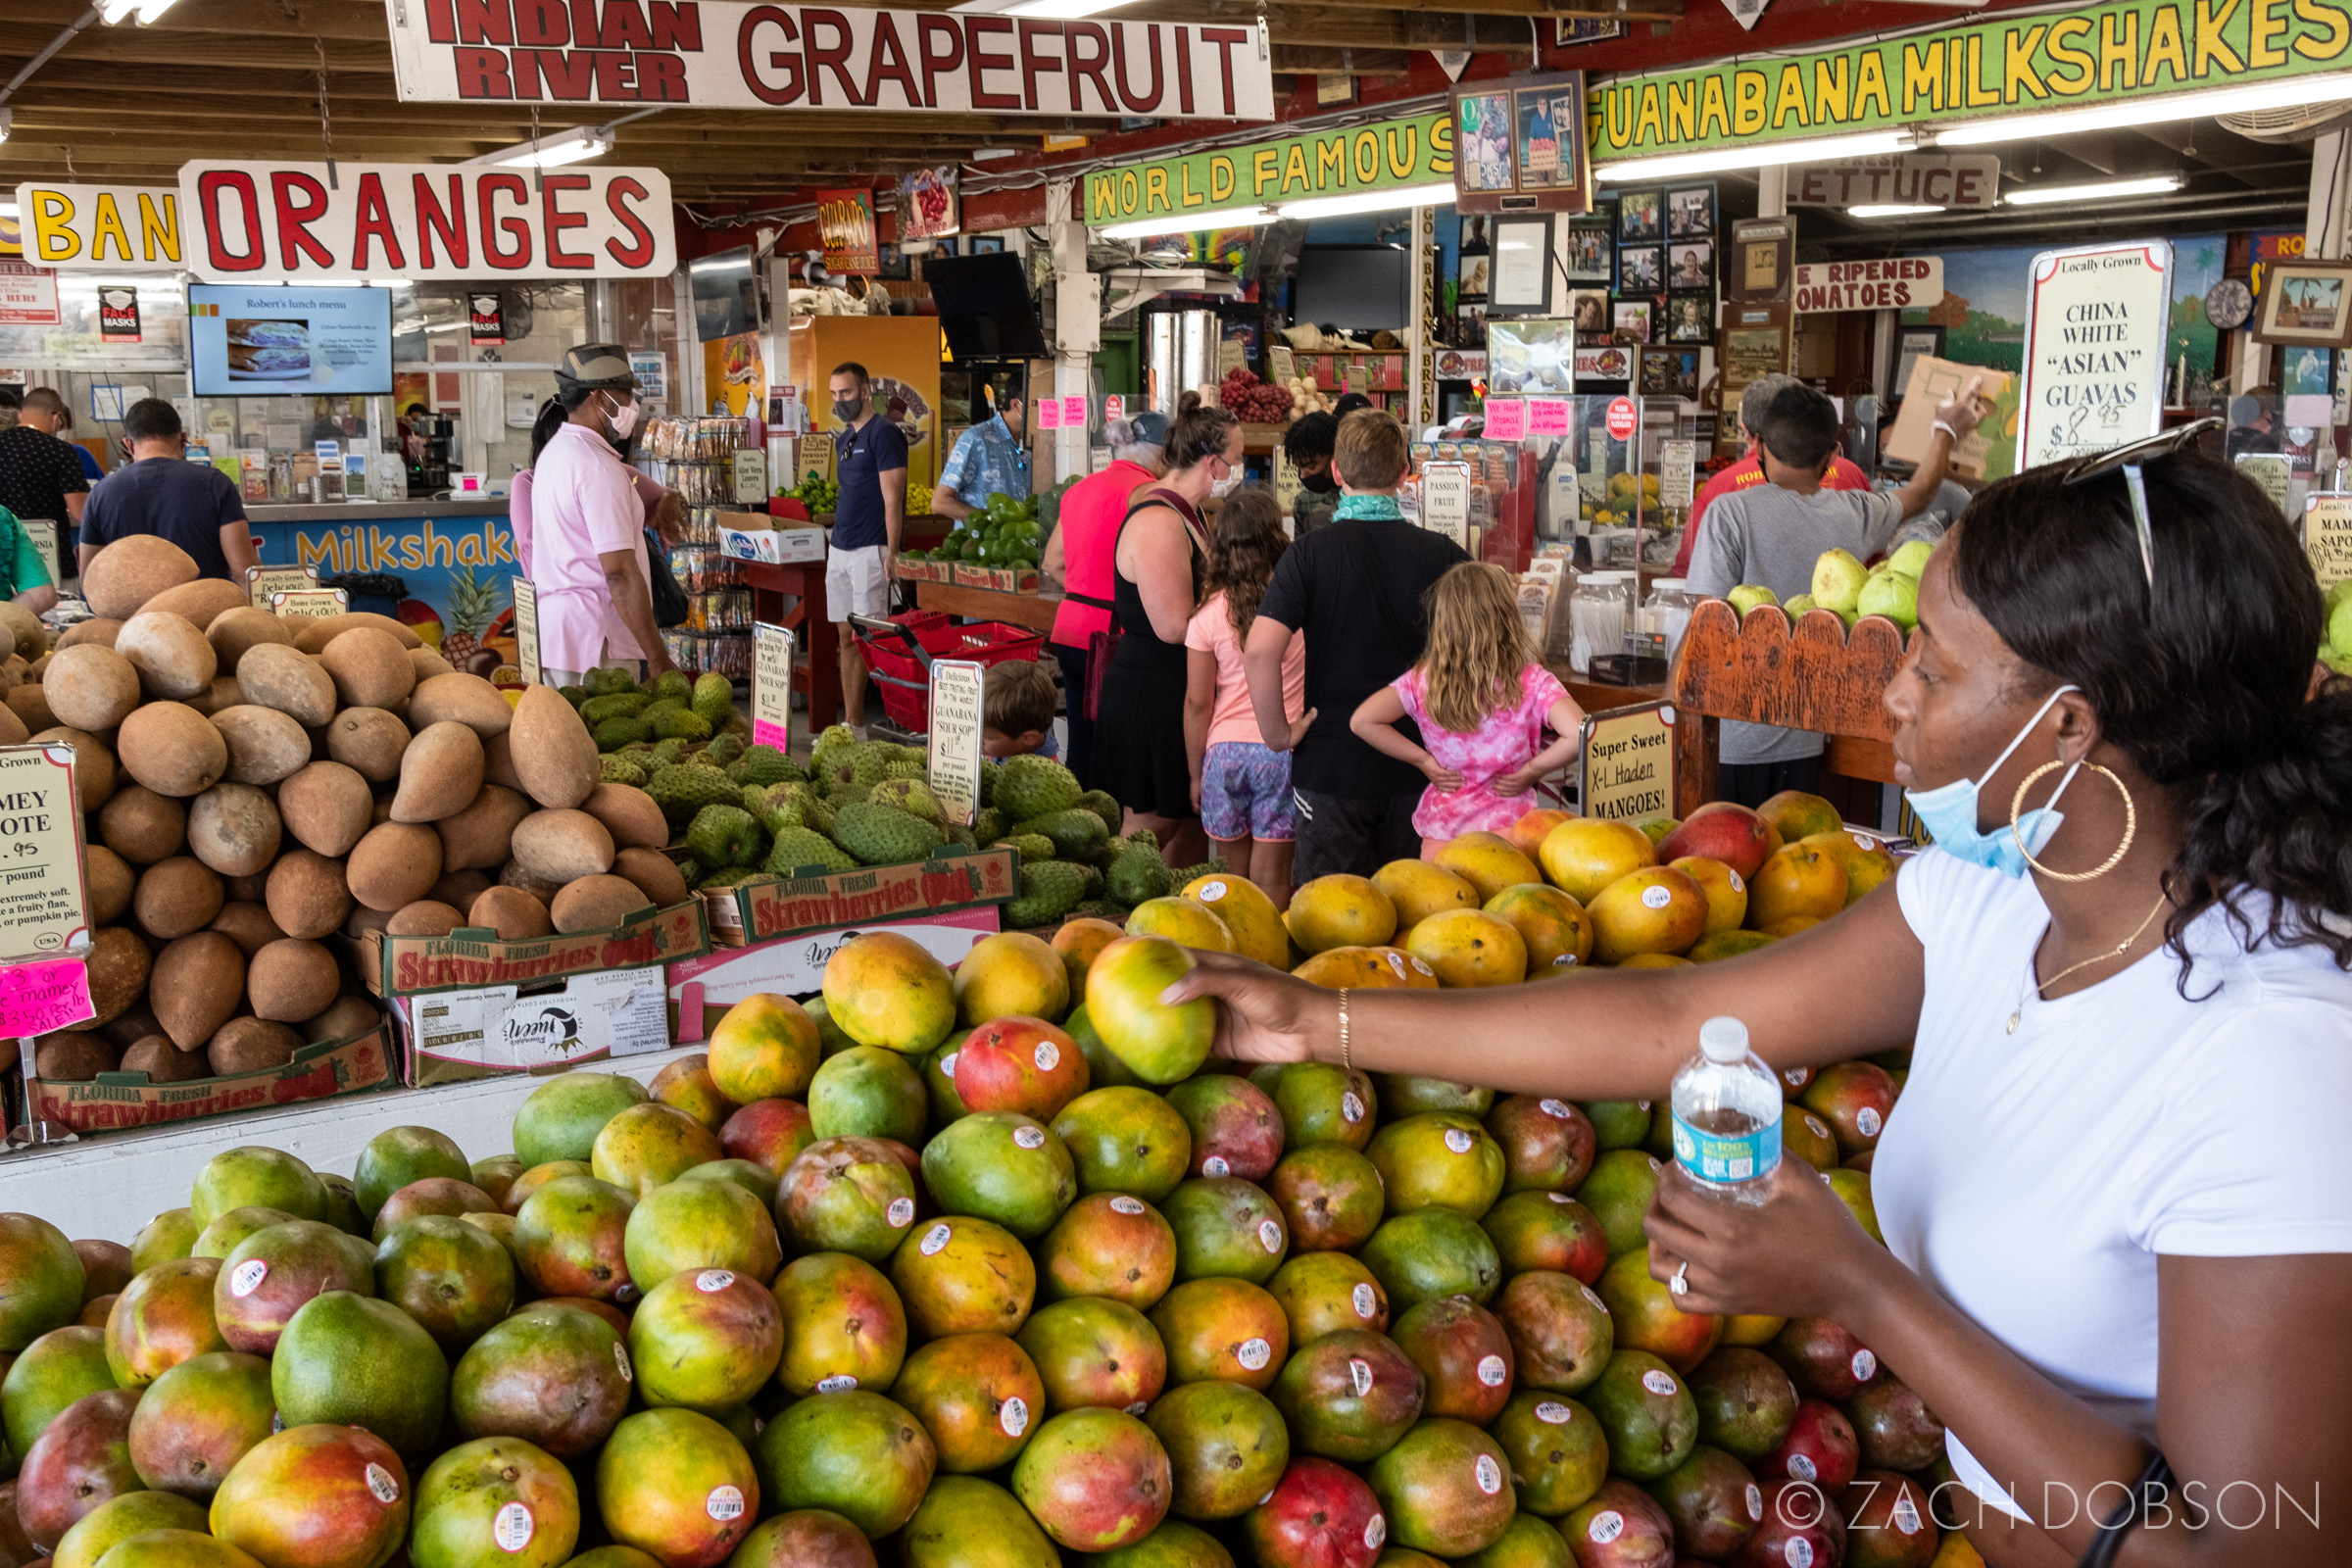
x: 596, y: 602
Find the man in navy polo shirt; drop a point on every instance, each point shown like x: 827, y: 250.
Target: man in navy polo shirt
x: 869, y: 517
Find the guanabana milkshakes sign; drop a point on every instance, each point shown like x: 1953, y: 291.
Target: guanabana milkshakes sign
x: 2120, y: 51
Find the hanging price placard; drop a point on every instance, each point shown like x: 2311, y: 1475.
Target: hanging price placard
x: 526, y: 630
x: 308, y: 604
x: 44, y: 912
x: 771, y: 686
x: 2327, y: 536
x: 264, y: 582
x: 956, y: 761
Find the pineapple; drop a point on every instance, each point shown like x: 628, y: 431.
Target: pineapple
x: 471, y: 604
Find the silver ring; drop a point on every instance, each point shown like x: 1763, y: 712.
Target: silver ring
x: 1680, y: 1284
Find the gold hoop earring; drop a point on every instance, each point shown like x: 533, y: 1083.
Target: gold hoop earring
x: 2130, y: 824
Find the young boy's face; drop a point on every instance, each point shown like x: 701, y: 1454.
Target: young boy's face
x: 996, y: 744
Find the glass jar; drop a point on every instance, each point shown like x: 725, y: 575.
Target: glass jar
x: 1600, y: 610
x: 1666, y: 614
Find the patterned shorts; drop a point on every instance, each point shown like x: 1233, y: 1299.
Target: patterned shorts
x: 1246, y: 793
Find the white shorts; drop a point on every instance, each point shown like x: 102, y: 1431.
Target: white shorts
x: 854, y: 583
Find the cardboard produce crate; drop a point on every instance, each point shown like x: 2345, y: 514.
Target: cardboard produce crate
x: 1003, y: 579
x: 834, y: 901
x: 702, y: 989
x: 925, y: 570
x: 473, y: 958
x: 362, y: 1065
x: 494, y: 1031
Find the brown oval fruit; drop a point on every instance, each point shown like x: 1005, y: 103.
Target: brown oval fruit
x: 173, y: 749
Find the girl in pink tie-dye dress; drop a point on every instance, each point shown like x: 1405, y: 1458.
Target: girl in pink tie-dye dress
x: 1482, y: 700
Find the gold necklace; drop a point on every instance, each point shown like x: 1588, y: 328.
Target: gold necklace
x: 2042, y: 987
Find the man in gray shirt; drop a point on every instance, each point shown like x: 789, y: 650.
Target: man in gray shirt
x: 1772, y: 533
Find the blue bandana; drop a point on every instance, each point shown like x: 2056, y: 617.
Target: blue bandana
x: 1367, y: 508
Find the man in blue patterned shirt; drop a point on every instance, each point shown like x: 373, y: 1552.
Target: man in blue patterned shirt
x: 989, y: 459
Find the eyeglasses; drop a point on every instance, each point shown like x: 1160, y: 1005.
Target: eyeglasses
x: 2131, y: 457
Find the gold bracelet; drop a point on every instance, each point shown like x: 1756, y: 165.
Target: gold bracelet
x: 1344, y: 1064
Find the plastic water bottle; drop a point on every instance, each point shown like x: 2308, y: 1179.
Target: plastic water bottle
x: 1727, y: 1115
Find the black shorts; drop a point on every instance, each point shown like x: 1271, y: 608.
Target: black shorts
x: 1351, y: 834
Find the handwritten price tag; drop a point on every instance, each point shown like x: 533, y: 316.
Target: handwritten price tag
x: 37, y: 997
x: 1048, y: 414
x: 1507, y: 419
x: 1547, y: 416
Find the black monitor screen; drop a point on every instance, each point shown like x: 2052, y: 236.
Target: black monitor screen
x: 984, y: 307
x: 1353, y: 286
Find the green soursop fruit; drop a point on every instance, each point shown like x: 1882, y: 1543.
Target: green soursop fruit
x: 830, y: 738
x: 798, y: 848
x: 737, y: 724
x: 622, y: 705
x: 723, y: 749
x: 905, y: 766
x: 667, y: 751
x: 762, y: 765
x: 672, y: 722
x: 1035, y: 786
x: 683, y: 789
x: 713, y: 698
x: 1050, y: 890
x: 672, y: 686
x: 1034, y: 847
x: 620, y: 767
x: 692, y: 870
x: 608, y: 680
x: 911, y: 796
x: 1095, y: 910
x: 724, y: 835
x: 882, y: 835
x: 1184, y: 877
x: 575, y: 695
x: 960, y: 837
x: 621, y: 730
x: 731, y: 876
x: 1075, y: 834
x: 849, y: 773
x: 1137, y: 875
x: 1093, y: 882
x: 992, y: 824
x: 1102, y: 805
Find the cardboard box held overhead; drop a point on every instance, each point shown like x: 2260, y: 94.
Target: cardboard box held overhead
x: 1990, y: 450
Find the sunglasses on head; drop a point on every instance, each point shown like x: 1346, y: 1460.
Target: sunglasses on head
x: 2130, y: 459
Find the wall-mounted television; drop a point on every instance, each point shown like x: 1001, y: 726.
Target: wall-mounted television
x: 254, y: 339
x: 1355, y: 287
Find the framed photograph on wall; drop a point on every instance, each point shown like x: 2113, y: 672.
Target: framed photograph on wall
x: 1639, y: 219
x: 1691, y: 318
x: 1761, y: 259
x: 2306, y: 303
x: 1589, y: 310
x: 1691, y: 264
x: 988, y: 244
x: 1631, y: 321
x: 1522, y: 148
x: 1551, y: 137
x: 1593, y: 249
x: 1484, y: 137
x: 1690, y: 212
x: 1519, y: 281
x: 1668, y: 372
x: 1640, y: 269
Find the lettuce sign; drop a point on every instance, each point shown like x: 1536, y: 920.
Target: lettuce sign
x: 1361, y: 158
x: 2109, y: 53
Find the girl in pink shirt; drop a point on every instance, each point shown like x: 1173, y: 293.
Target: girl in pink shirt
x: 1240, y: 788
x: 1482, y: 701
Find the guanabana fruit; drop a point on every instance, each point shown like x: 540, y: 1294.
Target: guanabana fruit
x: 960, y: 837
x: 620, y: 705
x: 911, y: 796
x: 849, y: 773
x: 732, y: 875
x: 798, y: 848
x: 829, y: 739
x: 1183, y: 877
x: 620, y: 767
x: 1102, y: 805
x: 667, y: 751
x: 1050, y: 890
x: 1074, y: 833
x: 713, y: 696
x: 990, y: 825
x: 1136, y: 876
x: 724, y: 835
x: 1034, y: 847
x: 683, y: 789
x: 620, y: 730
x: 691, y: 869
x: 782, y: 806
x: 672, y: 722
x: 905, y: 766
x: 723, y: 749
x: 672, y: 685
x: 883, y: 835
x: 1034, y: 786
x: 575, y: 695
x: 765, y: 764
x: 608, y: 680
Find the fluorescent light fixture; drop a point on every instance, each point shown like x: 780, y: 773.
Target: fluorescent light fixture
x: 1188, y: 222
x: 720, y: 263
x: 2099, y: 191
x: 1825, y: 149
x: 149, y: 10
x: 113, y: 11
x: 388, y: 282
x: 9, y: 208
x: 1370, y: 201
x: 2329, y: 89
x: 982, y: 155
x: 551, y: 151
x: 1060, y: 9
x: 8, y: 118
x: 1895, y: 209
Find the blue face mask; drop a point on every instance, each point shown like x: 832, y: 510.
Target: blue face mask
x: 1950, y: 812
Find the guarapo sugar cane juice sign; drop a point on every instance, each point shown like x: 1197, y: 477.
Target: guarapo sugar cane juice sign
x: 2096, y: 324
x: 2122, y: 50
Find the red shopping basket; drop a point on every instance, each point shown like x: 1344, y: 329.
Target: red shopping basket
x: 898, y: 653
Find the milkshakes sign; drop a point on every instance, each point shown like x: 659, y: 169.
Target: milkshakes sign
x: 724, y: 54
x: 2096, y: 325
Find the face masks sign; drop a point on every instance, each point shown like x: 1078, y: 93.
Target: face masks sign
x: 723, y: 55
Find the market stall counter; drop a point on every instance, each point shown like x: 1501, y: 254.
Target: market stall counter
x: 1034, y: 611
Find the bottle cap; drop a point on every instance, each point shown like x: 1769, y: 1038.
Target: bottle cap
x: 1722, y: 1040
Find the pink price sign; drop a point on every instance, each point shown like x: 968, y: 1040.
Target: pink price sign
x: 1048, y: 414
x: 1074, y: 413
x: 37, y: 997
x: 1547, y: 416
x: 1507, y: 419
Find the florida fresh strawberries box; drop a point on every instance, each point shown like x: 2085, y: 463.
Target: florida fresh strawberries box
x: 471, y: 958
x: 758, y: 912
x: 111, y: 1100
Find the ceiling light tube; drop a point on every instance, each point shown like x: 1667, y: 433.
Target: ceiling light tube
x: 551, y: 151
x: 2239, y: 100
x: 2099, y: 191
x: 1894, y: 210
x: 1060, y: 10
x: 1672, y: 166
x: 9, y: 208
x: 149, y: 10
x: 1369, y: 201
x: 113, y: 11
x: 1187, y: 222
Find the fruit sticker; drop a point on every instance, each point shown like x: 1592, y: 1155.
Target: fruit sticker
x: 1015, y: 1417
x: 512, y: 1528
x: 1138, y: 1407
x: 1559, y: 1197
x: 711, y: 1281
x: 246, y: 1277
x: 1029, y: 1137
x: 838, y: 1382
x: 1376, y: 1529
x: 1366, y: 1303
x: 1047, y: 1056
x: 946, y: 1065
x: 1755, y: 1503
x: 1566, y: 960
x: 1269, y: 1236
x: 1460, y: 1141
x: 725, y: 1503
x: 1659, y: 1383
x: 1798, y: 1552
x: 1802, y: 1467
x: 1556, y: 1108
x: 1906, y: 1514
x: 1397, y: 963
x: 1488, y: 1474
x: 900, y: 1214
x: 934, y: 1239
x: 1737, y: 886
x: 1551, y: 1412
x: 381, y: 1483
x: 1216, y: 1165
x: 1816, y: 1126
x: 1253, y: 1355
x: 1351, y: 1107
x: 1423, y: 968
x: 1360, y: 1373
x: 1865, y: 1365
x: 1210, y: 892
x: 1866, y: 1122
x: 1123, y: 1204
x: 1606, y: 1526
x: 1796, y: 1077
x: 1656, y: 897
x: 1491, y: 1372
x: 620, y: 1359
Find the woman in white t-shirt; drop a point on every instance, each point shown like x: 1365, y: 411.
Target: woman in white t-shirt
x: 2115, y: 1191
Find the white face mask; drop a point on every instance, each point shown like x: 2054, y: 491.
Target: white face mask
x: 623, y: 418
x: 1224, y: 486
